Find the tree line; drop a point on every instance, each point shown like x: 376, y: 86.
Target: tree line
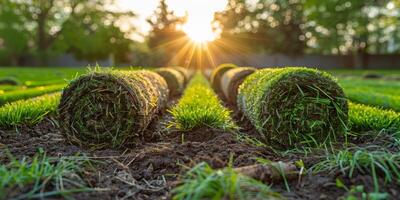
x: 35, y: 31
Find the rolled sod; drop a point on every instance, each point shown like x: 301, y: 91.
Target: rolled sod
x: 107, y: 109
x: 231, y: 81
x: 217, y: 74
x: 294, y: 106
x: 175, y: 80
x: 185, y: 72
x: 9, y: 81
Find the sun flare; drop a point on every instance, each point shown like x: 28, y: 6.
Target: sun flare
x: 199, y: 30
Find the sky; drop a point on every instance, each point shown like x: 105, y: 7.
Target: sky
x: 200, y: 13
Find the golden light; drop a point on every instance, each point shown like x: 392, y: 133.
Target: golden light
x: 199, y: 29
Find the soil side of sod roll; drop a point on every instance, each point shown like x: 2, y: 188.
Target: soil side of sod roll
x: 108, y: 109
x: 185, y: 73
x: 294, y: 106
x: 175, y: 80
x: 217, y: 74
x: 231, y: 81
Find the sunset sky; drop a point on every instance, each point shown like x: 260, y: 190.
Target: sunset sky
x: 200, y: 14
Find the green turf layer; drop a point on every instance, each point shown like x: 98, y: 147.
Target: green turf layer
x: 379, y: 93
x: 30, y: 111
x: 364, y: 118
x: 293, y: 105
x: 29, y: 93
x: 200, y: 107
x: 24, y: 74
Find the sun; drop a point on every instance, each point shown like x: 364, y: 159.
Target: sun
x: 199, y: 36
x: 199, y: 30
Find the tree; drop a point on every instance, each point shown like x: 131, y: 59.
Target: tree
x: 235, y: 26
x: 347, y: 26
x: 164, y: 37
x: 267, y: 25
x: 85, y: 28
x: 13, y: 35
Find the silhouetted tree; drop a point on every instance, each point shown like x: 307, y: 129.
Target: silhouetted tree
x: 85, y: 28
x: 164, y: 37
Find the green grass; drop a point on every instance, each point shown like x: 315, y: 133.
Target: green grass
x: 29, y: 111
x: 363, y: 72
x: 29, y: 93
x: 368, y: 97
x: 42, y: 177
x: 6, y: 88
x: 199, y: 107
x: 203, y: 182
x: 379, y: 93
x: 361, y: 160
x: 363, y: 118
x: 24, y: 74
x: 45, y: 83
x: 378, y: 86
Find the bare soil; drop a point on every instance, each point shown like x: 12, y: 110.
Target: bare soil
x: 151, y: 169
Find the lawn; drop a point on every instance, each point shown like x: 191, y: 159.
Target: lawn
x: 171, y: 133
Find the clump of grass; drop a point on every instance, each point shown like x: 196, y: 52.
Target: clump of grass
x: 216, y: 76
x: 23, y: 179
x: 200, y: 106
x: 175, y: 80
x: 361, y: 160
x: 30, y: 111
x: 363, y: 118
x: 203, y: 182
x: 29, y: 93
x: 108, y: 108
x: 294, y: 106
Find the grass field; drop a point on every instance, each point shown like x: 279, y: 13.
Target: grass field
x: 36, y: 161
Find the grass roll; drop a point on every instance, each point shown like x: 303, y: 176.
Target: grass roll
x: 185, y: 72
x: 9, y: 81
x: 175, y: 80
x: 294, y: 106
x: 217, y: 74
x: 107, y: 109
x: 231, y: 81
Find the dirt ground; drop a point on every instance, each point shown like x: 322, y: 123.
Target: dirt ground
x: 150, y: 170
